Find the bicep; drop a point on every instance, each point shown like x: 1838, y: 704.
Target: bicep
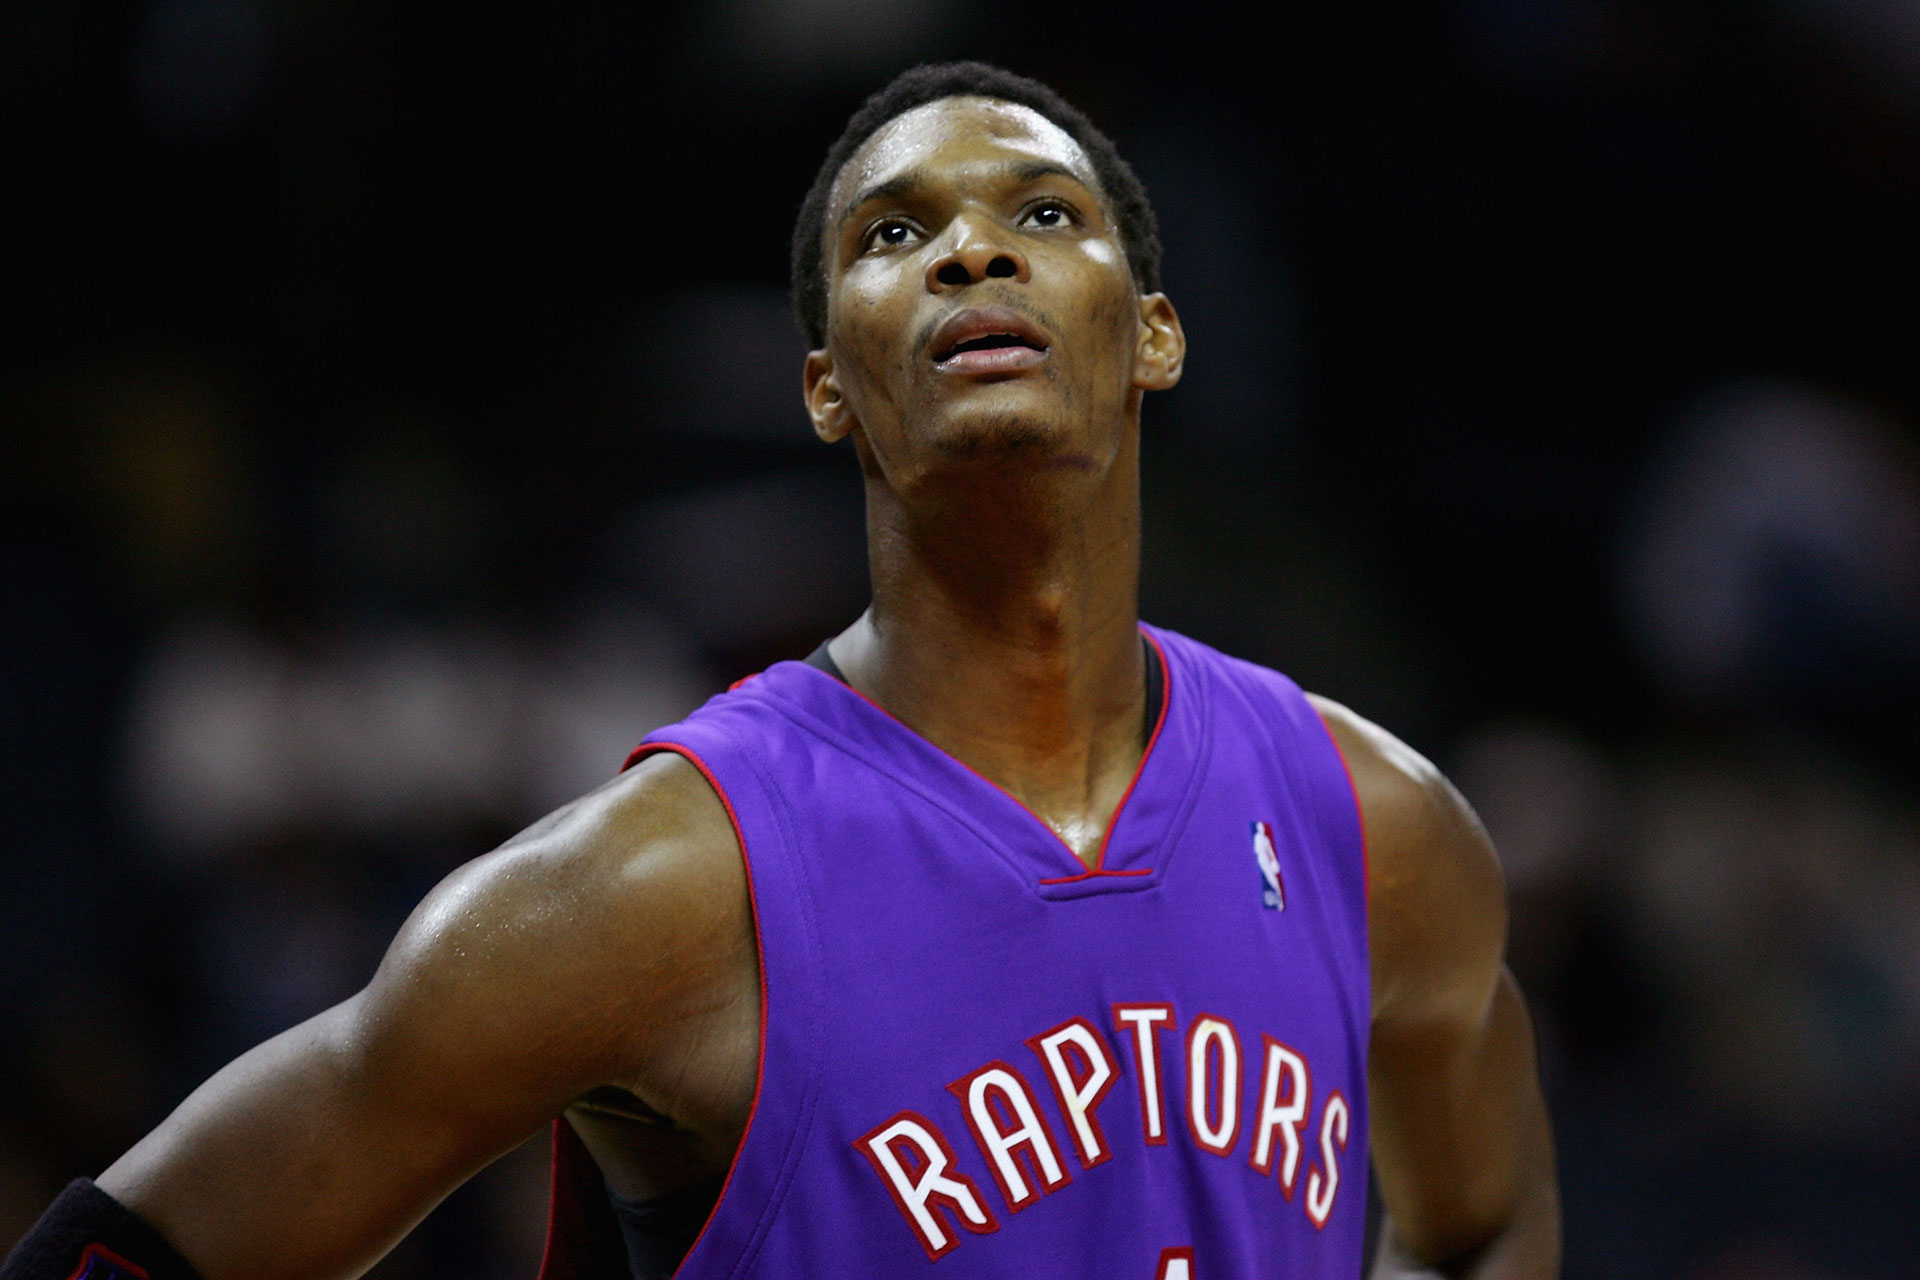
x: 1455, y: 1100
x: 1460, y: 1135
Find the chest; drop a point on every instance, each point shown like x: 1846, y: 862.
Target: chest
x: 1181, y: 1017
x: 947, y: 931
x: 974, y: 1044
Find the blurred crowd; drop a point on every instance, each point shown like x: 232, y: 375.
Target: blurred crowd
x: 401, y: 417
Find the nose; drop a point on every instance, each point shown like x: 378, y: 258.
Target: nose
x: 976, y: 253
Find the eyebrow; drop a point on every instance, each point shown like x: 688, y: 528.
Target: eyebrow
x: 900, y: 184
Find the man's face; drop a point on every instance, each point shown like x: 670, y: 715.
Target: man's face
x: 980, y: 306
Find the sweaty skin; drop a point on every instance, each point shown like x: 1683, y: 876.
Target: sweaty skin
x: 612, y: 944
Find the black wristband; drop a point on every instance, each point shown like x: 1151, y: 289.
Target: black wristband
x: 86, y: 1234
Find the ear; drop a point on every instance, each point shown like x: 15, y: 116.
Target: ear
x: 1161, y: 352
x: 832, y: 416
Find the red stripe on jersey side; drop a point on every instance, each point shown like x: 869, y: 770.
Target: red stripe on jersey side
x: 760, y: 950
x: 1366, y: 863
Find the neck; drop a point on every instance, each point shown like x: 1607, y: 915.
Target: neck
x: 1004, y: 630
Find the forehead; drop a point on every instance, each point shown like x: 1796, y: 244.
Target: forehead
x: 956, y: 130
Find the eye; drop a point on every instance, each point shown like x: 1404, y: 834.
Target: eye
x: 1048, y: 214
x: 889, y: 233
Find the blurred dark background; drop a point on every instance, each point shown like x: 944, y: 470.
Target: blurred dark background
x: 401, y: 416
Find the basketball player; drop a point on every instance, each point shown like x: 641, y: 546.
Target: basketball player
x: 1006, y: 936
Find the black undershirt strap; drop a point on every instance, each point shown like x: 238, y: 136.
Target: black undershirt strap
x: 659, y: 1231
x: 822, y: 659
x: 1156, y: 689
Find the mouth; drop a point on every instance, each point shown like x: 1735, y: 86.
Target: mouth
x: 987, y: 340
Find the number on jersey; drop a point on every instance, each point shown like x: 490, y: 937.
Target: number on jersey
x: 1175, y: 1264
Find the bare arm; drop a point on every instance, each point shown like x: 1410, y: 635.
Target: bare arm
x: 587, y: 951
x: 1462, y: 1145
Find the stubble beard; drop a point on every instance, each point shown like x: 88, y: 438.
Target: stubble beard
x: 1005, y: 438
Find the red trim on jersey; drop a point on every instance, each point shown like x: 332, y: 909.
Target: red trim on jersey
x: 1126, y: 1031
x: 109, y: 1257
x: 1113, y: 819
x: 692, y: 757
x: 583, y: 1237
x: 1332, y: 1173
x: 1303, y: 1094
x: 1088, y: 875
x: 937, y: 1200
x: 1005, y: 1121
x: 1197, y: 1083
x: 1366, y: 864
x: 1159, y: 723
x: 1079, y: 1080
x: 1168, y: 1257
x: 559, y: 1194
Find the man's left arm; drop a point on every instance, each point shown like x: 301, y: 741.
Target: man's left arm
x: 1461, y: 1142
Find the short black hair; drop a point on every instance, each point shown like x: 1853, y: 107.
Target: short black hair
x: 930, y: 82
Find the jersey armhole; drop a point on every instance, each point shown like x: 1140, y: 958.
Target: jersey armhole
x: 692, y: 757
x: 1359, y: 811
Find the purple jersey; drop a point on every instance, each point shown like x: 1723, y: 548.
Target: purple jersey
x: 980, y: 1056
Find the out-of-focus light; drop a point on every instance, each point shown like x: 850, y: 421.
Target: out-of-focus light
x: 200, y: 66
x: 1776, y: 550
x: 813, y: 41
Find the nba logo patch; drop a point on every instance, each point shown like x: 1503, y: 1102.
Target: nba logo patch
x: 1272, y: 893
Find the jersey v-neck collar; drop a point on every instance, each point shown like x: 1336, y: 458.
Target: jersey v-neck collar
x: 1140, y: 832
x: 821, y: 659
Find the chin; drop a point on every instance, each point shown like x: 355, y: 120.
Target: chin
x: 1009, y: 435
x: 1004, y: 438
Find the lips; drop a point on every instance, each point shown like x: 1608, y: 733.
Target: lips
x: 987, y: 340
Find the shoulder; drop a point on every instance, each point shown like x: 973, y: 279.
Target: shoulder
x: 1437, y: 911
x: 582, y: 933
x: 656, y: 829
